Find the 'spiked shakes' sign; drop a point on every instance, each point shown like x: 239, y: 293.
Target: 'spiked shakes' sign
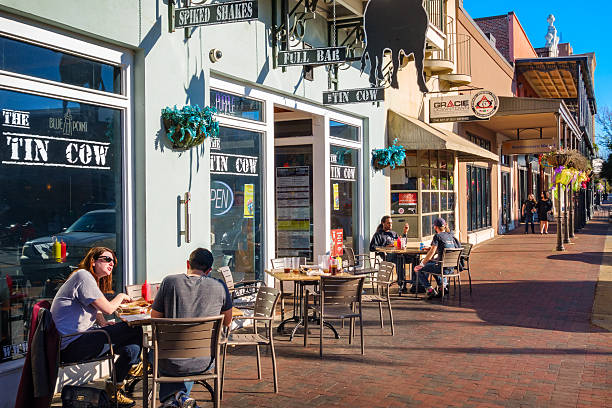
x: 528, y: 146
x: 353, y: 96
x: 312, y: 56
x: 218, y: 13
x: 456, y: 108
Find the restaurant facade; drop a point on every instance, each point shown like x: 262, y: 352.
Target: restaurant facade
x: 86, y: 160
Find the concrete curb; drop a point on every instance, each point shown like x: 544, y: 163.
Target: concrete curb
x: 601, y: 314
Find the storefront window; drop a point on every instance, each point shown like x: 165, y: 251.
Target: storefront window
x: 345, y: 193
x: 422, y: 190
x: 40, y: 62
x: 60, y: 181
x: 479, y: 198
x: 235, y: 195
x: 237, y: 106
x: 343, y: 131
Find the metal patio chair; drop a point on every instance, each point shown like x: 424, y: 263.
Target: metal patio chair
x: 382, y: 283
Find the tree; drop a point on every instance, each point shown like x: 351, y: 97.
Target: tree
x: 606, y: 169
x: 604, y: 119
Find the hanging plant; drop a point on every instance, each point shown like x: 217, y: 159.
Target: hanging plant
x: 189, y: 126
x: 393, y: 155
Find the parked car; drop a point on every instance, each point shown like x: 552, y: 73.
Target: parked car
x: 94, y: 228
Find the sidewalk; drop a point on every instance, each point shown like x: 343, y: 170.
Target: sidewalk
x: 523, y: 340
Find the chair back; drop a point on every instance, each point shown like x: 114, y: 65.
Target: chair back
x: 450, y: 257
x: 278, y: 263
x: 133, y: 291
x: 226, y: 274
x: 348, y: 257
x: 266, y: 300
x: 467, y: 248
x: 189, y: 337
x: 342, y: 290
x: 385, y: 272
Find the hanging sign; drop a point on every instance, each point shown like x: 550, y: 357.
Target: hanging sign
x: 457, y: 108
x: 217, y: 13
x: 312, y: 56
x: 528, y: 146
x: 353, y: 96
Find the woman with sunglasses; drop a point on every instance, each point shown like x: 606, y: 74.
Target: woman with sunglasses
x: 80, y: 303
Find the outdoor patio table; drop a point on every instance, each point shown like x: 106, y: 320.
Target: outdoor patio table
x: 143, y: 319
x: 302, y: 280
x: 404, y: 253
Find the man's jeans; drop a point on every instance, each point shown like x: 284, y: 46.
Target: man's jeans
x: 126, y: 344
x: 168, y: 390
x: 529, y: 219
x: 432, y: 266
x: 398, y: 260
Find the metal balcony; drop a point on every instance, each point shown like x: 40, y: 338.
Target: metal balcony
x: 459, y: 52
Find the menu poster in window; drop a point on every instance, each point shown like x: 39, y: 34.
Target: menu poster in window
x: 336, y: 242
x: 407, y: 198
x: 249, y: 201
x: 336, y: 197
x: 292, y: 211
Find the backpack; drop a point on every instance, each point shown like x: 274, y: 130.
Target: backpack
x: 84, y: 397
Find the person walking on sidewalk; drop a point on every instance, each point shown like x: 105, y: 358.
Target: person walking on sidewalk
x: 528, y: 210
x: 544, y: 207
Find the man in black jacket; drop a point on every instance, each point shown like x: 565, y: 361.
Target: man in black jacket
x: 386, y: 237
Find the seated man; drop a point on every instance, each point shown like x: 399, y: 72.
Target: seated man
x: 386, y: 237
x: 190, y: 294
x: 443, y: 239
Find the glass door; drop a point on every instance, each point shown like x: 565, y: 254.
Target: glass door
x: 236, y: 201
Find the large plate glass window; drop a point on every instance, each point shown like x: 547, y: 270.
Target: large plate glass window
x: 236, y: 199
x: 40, y: 62
x: 345, y: 193
x: 60, y: 181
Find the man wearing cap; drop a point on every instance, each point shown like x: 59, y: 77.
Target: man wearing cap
x: 189, y: 294
x: 442, y: 239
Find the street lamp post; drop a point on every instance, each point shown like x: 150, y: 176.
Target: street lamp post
x: 560, y: 246
x: 566, y: 239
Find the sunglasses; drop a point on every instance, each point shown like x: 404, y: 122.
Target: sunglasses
x: 106, y: 259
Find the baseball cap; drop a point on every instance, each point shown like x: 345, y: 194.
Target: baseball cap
x: 201, y: 258
x: 439, y: 222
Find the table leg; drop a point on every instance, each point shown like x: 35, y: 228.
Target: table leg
x: 145, y: 371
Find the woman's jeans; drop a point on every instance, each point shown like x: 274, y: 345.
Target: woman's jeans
x: 432, y: 266
x: 529, y: 219
x: 126, y: 344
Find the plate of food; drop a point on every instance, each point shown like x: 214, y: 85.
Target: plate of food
x: 132, y: 308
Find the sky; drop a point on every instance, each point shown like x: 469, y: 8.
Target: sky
x: 584, y: 24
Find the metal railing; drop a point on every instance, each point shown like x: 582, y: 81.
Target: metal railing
x: 436, y: 11
x: 459, y: 47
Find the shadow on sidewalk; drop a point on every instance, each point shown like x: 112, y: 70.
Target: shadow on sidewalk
x: 593, y: 258
x: 547, y: 305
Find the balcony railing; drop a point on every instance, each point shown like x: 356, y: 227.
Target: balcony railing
x: 436, y: 10
x: 460, y: 50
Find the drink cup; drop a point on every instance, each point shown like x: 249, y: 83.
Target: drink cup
x: 287, y: 265
x: 333, y: 266
x: 295, y: 265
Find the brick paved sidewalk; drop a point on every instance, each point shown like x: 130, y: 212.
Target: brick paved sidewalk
x: 524, y: 339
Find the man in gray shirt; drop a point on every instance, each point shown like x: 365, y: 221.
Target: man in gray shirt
x: 190, y: 294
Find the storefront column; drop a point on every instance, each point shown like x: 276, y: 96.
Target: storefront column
x: 321, y: 186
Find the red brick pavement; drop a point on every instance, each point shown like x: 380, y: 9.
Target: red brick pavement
x: 523, y: 339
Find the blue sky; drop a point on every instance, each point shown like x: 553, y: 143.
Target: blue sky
x: 584, y: 24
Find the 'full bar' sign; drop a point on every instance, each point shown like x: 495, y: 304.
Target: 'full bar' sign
x: 218, y: 13
x: 312, y: 56
x: 353, y: 96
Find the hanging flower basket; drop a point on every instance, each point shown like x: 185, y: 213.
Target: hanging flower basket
x: 389, y: 156
x: 557, y: 158
x: 189, y: 126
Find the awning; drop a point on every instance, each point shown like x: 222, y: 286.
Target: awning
x: 416, y: 135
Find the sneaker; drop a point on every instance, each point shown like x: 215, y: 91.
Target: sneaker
x: 184, y: 400
x: 122, y: 400
x: 431, y: 293
x: 170, y: 403
x: 136, y: 370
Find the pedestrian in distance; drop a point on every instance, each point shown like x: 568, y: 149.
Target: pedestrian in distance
x: 544, y: 208
x: 528, y: 210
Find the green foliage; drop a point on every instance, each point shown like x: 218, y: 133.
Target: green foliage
x: 604, y: 119
x: 189, y: 126
x: 606, y: 169
x: 389, y: 156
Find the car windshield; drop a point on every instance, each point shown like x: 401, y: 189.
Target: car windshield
x: 103, y: 222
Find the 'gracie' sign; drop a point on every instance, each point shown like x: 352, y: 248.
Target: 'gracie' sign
x: 218, y: 13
